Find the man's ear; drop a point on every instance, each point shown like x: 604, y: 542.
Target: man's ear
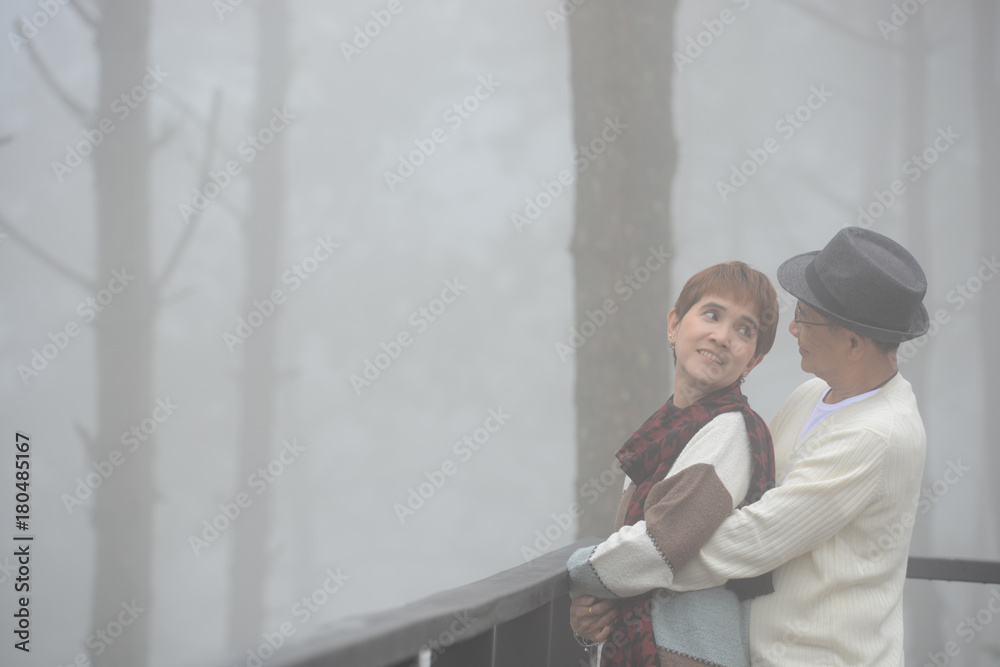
x: 855, y: 345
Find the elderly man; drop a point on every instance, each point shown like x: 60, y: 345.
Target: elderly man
x: 849, y: 450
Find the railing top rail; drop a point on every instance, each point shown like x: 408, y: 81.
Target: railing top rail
x: 953, y: 569
x: 392, y: 636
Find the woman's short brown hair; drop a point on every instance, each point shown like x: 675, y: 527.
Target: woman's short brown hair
x: 736, y: 281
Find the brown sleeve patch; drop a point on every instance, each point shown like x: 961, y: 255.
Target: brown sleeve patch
x: 622, y: 506
x: 684, y: 510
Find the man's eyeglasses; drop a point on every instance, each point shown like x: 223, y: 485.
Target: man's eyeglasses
x: 798, y: 314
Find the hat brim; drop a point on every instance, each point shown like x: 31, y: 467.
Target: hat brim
x: 792, y: 277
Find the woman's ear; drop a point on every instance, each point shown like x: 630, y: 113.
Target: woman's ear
x: 673, y: 323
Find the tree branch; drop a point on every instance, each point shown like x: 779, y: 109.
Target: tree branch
x: 165, y: 137
x: 49, y: 78
x: 839, y: 26
x: 184, y: 107
x: 46, y: 258
x: 192, y: 223
x: 228, y: 206
x: 181, y: 103
x: 819, y: 186
x: 178, y: 296
x: 88, y: 439
x: 286, y: 375
x: 89, y: 16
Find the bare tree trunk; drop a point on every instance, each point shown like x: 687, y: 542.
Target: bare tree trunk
x: 924, y: 631
x: 123, y: 514
x: 987, y: 85
x: 878, y: 168
x: 621, y: 73
x: 264, y: 224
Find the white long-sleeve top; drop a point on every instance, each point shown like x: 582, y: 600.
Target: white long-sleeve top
x: 836, y: 531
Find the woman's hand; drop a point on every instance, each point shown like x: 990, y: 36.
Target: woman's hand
x: 592, y: 618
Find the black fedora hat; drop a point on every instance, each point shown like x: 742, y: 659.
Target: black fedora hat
x: 864, y: 282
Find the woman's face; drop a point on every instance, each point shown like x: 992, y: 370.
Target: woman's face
x: 715, y: 343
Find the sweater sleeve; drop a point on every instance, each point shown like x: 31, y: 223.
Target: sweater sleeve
x: 708, y: 479
x: 827, y: 488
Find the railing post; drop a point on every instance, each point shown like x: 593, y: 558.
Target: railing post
x: 471, y: 652
x: 524, y: 641
x: 564, y: 651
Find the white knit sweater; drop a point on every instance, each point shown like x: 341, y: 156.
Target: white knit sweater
x: 836, y: 528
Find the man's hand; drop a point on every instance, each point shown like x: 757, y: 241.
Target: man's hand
x: 592, y: 618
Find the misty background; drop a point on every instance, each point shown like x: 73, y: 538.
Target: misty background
x: 256, y: 259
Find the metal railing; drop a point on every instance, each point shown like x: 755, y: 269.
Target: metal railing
x: 517, y: 618
x: 953, y: 569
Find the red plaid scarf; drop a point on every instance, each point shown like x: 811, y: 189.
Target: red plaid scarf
x: 647, y: 458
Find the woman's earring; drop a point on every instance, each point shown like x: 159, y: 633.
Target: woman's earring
x: 671, y: 339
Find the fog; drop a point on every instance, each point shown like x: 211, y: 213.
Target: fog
x: 295, y: 292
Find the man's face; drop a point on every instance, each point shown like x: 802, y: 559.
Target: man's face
x: 819, y: 340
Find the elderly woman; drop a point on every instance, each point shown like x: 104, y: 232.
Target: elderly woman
x: 704, y: 453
